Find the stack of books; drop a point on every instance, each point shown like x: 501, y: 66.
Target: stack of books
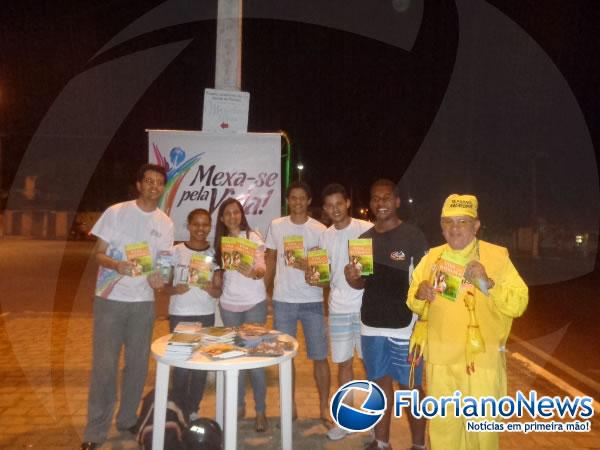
x: 182, y: 345
x: 217, y: 335
x: 253, y: 334
x: 188, y: 328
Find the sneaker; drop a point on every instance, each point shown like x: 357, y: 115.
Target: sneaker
x: 337, y: 433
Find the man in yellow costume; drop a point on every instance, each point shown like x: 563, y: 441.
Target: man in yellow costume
x: 467, y: 327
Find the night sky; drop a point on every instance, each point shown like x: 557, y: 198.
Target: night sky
x: 498, y: 98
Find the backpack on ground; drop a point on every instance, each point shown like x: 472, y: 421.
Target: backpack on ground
x: 175, y: 424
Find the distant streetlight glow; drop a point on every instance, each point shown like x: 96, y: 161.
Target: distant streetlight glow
x: 410, y: 200
x: 300, y: 168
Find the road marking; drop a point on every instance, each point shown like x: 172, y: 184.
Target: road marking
x: 555, y: 362
x: 558, y: 382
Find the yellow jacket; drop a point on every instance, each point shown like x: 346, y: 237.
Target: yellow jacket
x: 447, y: 324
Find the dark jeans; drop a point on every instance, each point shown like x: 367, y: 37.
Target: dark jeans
x: 188, y: 385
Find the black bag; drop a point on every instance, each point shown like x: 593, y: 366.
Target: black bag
x: 175, y: 424
x: 203, y: 434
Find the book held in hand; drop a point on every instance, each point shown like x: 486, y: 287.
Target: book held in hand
x: 164, y: 265
x: 200, y: 270
x: 447, y: 276
x: 318, y: 266
x: 139, y: 256
x: 181, y: 274
x: 230, y: 254
x: 293, y: 249
x: 247, y: 251
x: 360, y: 253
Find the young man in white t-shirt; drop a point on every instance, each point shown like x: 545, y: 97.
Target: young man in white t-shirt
x: 124, y: 304
x: 344, y: 300
x: 293, y: 299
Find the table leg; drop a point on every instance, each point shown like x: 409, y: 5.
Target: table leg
x: 231, y: 400
x: 160, y: 405
x: 220, y: 418
x: 285, y: 403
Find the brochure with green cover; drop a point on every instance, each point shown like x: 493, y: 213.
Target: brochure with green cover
x: 230, y: 254
x: 247, y: 250
x: 200, y: 274
x: 293, y: 249
x: 139, y: 256
x: 448, y: 273
x: 360, y: 253
x: 318, y: 266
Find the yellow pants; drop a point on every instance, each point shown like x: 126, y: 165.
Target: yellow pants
x: 449, y: 433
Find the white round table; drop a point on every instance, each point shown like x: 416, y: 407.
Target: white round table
x: 227, y: 392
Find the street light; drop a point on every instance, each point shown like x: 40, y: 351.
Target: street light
x: 300, y: 168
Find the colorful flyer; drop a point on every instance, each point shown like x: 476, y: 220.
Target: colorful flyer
x: 293, y: 249
x: 360, y: 253
x: 139, y: 256
x: 318, y: 266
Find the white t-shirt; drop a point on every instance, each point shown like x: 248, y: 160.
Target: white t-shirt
x: 396, y: 333
x: 290, y: 286
x: 239, y: 290
x: 122, y: 224
x: 196, y: 301
x: 343, y: 298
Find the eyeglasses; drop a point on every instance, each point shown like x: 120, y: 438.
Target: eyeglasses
x: 448, y: 222
x: 153, y: 182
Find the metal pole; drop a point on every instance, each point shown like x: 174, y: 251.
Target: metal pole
x: 287, y: 167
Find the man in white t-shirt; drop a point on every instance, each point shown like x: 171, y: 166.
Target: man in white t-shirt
x: 344, y: 300
x: 124, y: 304
x: 293, y: 299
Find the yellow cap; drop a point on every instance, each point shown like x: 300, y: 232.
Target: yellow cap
x: 460, y: 205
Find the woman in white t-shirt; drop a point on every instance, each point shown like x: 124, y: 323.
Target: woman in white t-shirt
x: 191, y: 303
x: 244, y: 297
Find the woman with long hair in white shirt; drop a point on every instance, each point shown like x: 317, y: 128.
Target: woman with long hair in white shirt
x: 244, y: 297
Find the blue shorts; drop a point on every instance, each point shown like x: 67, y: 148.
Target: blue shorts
x: 311, y: 315
x: 388, y: 356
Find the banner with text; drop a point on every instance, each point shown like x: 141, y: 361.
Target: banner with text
x: 205, y: 168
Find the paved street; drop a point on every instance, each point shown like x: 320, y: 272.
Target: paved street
x: 45, y: 354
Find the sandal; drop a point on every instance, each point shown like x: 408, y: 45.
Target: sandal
x: 260, y: 425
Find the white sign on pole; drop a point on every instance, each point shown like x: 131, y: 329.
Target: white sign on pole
x: 204, y: 169
x: 225, y: 111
